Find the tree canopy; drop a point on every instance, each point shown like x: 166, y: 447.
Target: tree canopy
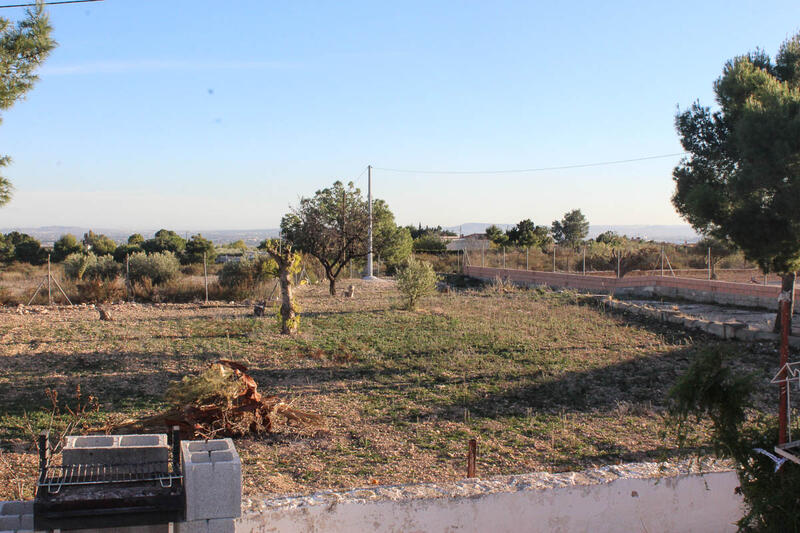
x: 741, y: 179
x: 197, y: 249
x: 333, y: 224
x: 571, y: 229
x: 23, y: 48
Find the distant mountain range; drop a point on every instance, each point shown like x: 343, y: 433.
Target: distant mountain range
x: 49, y: 234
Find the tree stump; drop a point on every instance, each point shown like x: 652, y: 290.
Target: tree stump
x: 259, y: 308
x: 350, y: 292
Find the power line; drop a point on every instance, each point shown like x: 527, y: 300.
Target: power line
x: 524, y: 170
x: 50, y: 3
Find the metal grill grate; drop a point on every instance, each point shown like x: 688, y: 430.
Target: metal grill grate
x: 53, y: 477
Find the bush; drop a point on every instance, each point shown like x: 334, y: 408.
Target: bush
x: 159, y: 267
x: 243, y: 278
x: 98, y: 291
x: 89, y: 267
x: 711, y: 389
x: 416, y: 280
x: 429, y: 243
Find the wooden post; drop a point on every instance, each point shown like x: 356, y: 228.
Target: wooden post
x: 205, y: 275
x: 527, y: 253
x: 471, y: 455
x: 662, y: 261
x: 49, y: 279
x: 708, y: 260
x: 584, y: 260
x: 504, y: 256
x: 483, y: 249
x: 619, y: 254
x: 784, y: 353
x: 554, y: 258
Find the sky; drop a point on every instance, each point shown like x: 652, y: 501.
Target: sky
x: 199, y: 115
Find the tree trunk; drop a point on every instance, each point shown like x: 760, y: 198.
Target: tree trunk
x: 288, y: 322
x: 331, y: 283
x: 787, y: 285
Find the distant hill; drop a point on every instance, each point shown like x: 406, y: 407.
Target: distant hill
x: 677, y: 233
x: 49, y: 234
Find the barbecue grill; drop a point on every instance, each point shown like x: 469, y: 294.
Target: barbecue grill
x: 73, y: 496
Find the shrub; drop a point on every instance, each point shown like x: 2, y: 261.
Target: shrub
x: 66, y: 245
x: 429, y: 243
x: 96, y: 290
x: 416, y: 280
x: 158, y: 267
x: 711, y: 389
x: 243, y: 278
x: 80, y: 266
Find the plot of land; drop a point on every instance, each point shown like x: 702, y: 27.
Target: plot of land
x: 542, y: 382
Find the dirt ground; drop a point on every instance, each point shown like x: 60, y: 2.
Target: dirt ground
x: 542, y: 382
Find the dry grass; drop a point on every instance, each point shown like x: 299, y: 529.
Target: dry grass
x: 542, y: 382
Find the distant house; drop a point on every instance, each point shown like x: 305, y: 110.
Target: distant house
x: 475, y: 241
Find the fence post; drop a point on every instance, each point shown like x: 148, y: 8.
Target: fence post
x: 504, y: 257
x: 128, y: 287
x: 554, y: 258
x: 662, y: 261
x: 584, y: 260
x: 527, y: 253
x: 618, y: 257
x: 482, y: 250
x: 708, y: 259
x: 49, y: 281
x: 205, y: 275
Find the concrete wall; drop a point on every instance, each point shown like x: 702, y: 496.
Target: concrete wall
x: 699, y: 290
x: 696, y: 503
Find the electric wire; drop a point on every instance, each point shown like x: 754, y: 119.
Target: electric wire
x: 527, y: 170
x: 34, y: 4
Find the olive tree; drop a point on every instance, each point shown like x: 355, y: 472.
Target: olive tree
x: 333, y: 225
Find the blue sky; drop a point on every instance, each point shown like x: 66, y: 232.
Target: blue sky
x: 198, y: 115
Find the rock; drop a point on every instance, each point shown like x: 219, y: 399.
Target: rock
x: 104, y: 314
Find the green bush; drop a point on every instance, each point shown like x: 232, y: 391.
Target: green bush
x: 710, y: 388
x: 78, y: 266
x: 416, y: 280
x: 243, y: 278
x: 157, y: 267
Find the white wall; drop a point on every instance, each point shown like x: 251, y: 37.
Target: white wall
x: 696, y: 503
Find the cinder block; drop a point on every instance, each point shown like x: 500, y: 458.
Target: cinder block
x: 213, y: 479
x: 215, y: 525
x: 26, y: 521
x: 716, y: 328
x: 16, y: 507
x: 10, y: 522
x: 767, y: 336
x: 117, y: 450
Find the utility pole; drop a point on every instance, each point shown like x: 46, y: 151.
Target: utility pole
x: 369, y: 275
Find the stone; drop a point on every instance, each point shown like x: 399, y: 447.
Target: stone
x: 212, y: 478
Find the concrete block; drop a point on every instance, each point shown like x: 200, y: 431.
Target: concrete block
x: 26, y: 521
x: 10, y: 522
x: 767, y: 336
x: 675, y: 318
x: 156, y: 528
x: 16, y: 507
x: 215, y: 525
x: 117, y: 450
x: 213, y: 479
x: 732, y: 327
x: 716, y: 328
